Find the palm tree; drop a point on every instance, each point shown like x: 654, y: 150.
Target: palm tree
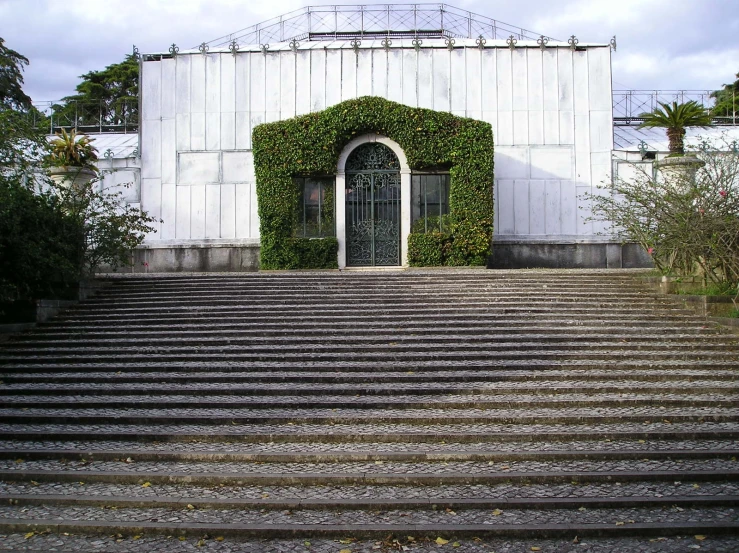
x: 675, y: 118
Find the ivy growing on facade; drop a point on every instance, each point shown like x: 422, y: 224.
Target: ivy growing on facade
x: 311, y: 145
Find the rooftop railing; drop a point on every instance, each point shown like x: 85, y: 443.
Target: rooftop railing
x: 119, y: 116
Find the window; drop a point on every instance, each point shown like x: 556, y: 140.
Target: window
x: 430, y: 193
x: 316, y: 207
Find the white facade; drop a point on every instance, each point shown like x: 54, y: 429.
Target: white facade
x: 550, y: 110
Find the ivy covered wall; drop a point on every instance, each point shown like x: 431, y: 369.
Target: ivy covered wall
x: 311, y: 145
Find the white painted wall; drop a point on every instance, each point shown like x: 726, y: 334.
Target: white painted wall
x: 550, y: 112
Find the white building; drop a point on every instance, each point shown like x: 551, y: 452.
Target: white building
x: 549, y: 103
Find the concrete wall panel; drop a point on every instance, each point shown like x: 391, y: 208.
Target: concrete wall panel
x: 197, y: 213
x: 333, y: 77
x: 238, y: 167
x: 199, y: 168
x: 364, y: 72
x: 213, y: 211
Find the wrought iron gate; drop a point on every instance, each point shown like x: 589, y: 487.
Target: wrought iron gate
x: 372, y: 206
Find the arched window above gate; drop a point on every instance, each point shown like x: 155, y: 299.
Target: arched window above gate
x: 372, y: 156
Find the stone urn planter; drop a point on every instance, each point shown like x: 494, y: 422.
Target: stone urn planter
x: 73, y: 177
x: 679, y: 171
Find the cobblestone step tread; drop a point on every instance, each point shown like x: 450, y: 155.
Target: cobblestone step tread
x: 442, y: 495
x: 588, y: 522
x: 71, y: 449
x: 580, y: 503
x: 131, y: 543
x: 300, y: 455
x: 522, y: 368
x: 353, y: 470
x: 367, y: 432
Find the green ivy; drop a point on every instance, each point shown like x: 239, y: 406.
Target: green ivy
x: 311, y: 145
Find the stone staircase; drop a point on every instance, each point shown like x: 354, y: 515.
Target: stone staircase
x: 426, y: 410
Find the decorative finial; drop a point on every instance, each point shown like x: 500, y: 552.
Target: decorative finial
x: 355, y: 45
x: 174, y: 49
x: 294, y: 45
x: 449, y: 43
x: 573, y: 42
x: 643, y: 147
x: 511, y: 42
x: 108, y: 154
x: 135, y: 53
x: 264, y: 48
x: 613, y: 43
x: 417, y: 43
x: 203, y: 48
x: 480, y: 41
x: 233, y: 46
x: 542, y: 42
x: 386, y: 43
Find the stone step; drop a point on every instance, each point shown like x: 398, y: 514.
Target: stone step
x: 175, y: 542
x: 472, y: 523
x: 348, y: 435
x: 354, y: 278
x: 410, y: 309
x: 57, y: 328
x: 158, y: 299
x: 366, y: 368
x: 721, y: 467
x: 460, y: 346
x: 46, y: 334
x: 399, y: 401
x: 42, y: 390
x: 293, y: 454
x: 584, y: 446
x: 394, y: 354
x: 378, y: 301
x: 73, y: 495
x: 342, y: 415
x: 206, y: 382
x: 378, y: 289
x: 516, y: 341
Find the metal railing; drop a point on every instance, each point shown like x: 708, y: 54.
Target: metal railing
x: 373, y: 19
x: 120, y: 116
x: 630, y: 105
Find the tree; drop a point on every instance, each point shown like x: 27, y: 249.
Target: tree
x: 727, y: 100
x: 688, y: 225
x: 11, y: 79
x: 105, y: 97
x: 676, y: 118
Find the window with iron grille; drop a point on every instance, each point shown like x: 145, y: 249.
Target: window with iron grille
x: 316, y: 207
x: 430, y: 202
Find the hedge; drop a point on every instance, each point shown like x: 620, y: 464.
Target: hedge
x: 311, y: 145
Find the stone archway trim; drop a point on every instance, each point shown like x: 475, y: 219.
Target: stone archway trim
x: 405, y: 194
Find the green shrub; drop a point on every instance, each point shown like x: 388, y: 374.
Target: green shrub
x: 41, y: 245
x: 311, y: 145
x: 316, y: 253
x: 429, y: 249
x: 433, y: 223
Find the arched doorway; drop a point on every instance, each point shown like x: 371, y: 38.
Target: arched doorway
x: 372, y: 206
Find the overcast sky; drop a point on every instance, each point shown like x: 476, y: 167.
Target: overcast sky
x: 662, y: 44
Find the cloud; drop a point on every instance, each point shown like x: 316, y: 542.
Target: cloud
x: 708, y: 69
x: 663, y: 44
